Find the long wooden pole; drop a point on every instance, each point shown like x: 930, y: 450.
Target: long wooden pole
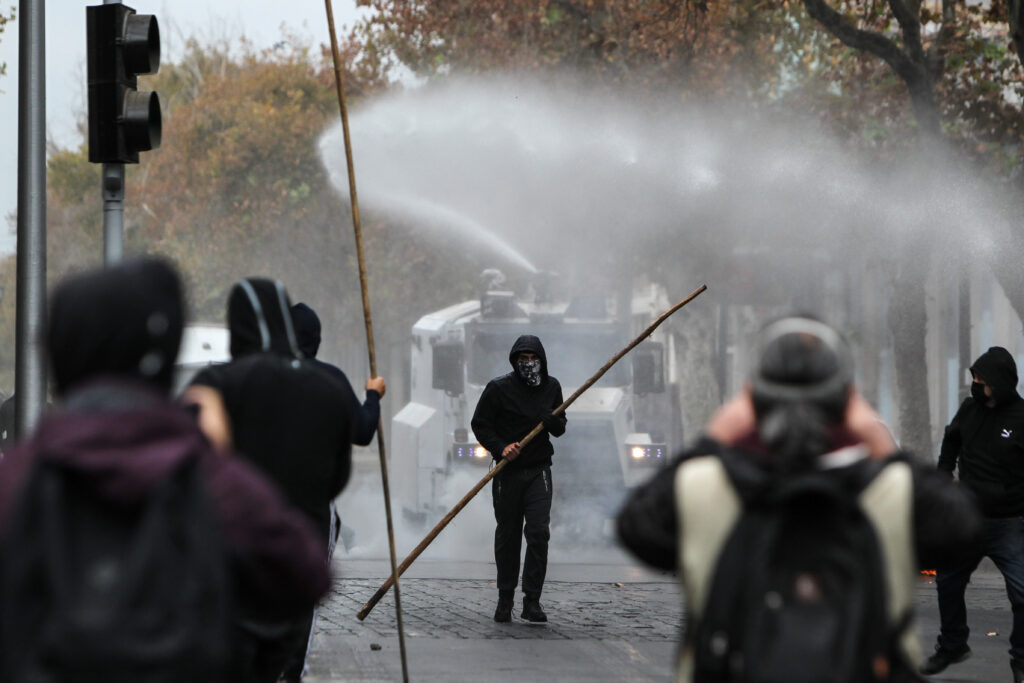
x: 357, y: 227
x: 525, y: 440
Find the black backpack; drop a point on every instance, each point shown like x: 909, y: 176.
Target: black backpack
x: 92, y: 591
x: 799, y: 593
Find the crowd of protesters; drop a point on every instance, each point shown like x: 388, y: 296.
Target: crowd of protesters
x: 151, y: 537
x: 196, y: 530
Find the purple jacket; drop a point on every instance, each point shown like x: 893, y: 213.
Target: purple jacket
x: 275, y: 556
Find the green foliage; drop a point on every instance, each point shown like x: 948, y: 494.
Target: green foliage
x: 237, y: 189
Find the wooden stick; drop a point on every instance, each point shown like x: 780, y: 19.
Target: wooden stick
x: 368, y: 319
x: 529, y: 437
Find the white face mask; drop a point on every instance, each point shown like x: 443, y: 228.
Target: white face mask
x: 529, y: 371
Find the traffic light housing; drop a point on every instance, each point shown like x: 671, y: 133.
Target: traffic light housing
x: 122, y: 120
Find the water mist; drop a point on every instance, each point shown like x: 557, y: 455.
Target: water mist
x: 770, y: 216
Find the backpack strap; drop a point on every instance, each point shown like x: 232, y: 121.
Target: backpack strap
x: 888, y: 503
x: 702, y: 485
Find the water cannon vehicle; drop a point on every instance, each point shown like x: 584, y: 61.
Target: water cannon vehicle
x: 619, y: 430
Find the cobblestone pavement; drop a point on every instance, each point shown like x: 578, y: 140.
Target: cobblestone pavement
x: 433, y: 608
x: 599, y: 628
x: 606, y: 623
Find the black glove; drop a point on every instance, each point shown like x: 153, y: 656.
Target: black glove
x: 550, y: 421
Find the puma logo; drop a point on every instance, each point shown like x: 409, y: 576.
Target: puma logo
x: 1006, y: 433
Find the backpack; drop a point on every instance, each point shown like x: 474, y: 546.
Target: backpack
x: 799, y: 592
x: 94, y: 591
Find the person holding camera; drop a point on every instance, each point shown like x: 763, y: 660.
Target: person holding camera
x: 796, y: 527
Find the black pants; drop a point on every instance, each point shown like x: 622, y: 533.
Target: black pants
x: 1004, y: 543
x: 522, y: 496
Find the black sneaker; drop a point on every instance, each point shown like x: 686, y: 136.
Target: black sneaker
x: 1017, y: 667
x: 943, y: 658
x: 532, y: 611
x: 504, y: 611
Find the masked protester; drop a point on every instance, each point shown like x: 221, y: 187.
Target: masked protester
x: 985, y: 440
x: 116, y: 442
x: 796, y: 527
x: 509, y: 408
x: 289, y: 419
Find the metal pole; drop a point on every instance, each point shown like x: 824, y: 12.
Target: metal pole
x: 30, y: 364
x: 429, y: 538
x: 113, y: 204
x: 368, y: 319
x: 113, y: 212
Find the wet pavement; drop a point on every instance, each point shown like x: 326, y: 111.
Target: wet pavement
x: 608, y: 621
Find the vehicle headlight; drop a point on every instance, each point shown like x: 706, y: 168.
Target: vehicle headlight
x: 646, y: 453
x: 470, y: 452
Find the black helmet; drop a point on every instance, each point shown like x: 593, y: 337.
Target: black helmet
x: 801, y: 384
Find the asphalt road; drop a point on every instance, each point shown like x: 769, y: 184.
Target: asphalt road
x: 609, y: 620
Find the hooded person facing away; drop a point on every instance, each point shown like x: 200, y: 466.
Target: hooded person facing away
x: 509, y: 408
x: 796, y: 528
x: 365, y: 415
x: 112, y: 340
x: 286, y: 417
x: 364, y: 418
x: 985, y: 441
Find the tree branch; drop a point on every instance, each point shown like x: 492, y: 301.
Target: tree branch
x: 909, y: 19
x: 858, y: 39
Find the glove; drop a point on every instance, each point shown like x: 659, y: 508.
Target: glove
x: 551, y: 422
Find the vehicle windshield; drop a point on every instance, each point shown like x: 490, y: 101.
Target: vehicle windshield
x: 574, y: 352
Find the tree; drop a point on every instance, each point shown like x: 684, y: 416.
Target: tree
x: 4, y: 20
x: 237, y: 189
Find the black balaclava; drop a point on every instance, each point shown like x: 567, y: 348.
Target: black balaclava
x: 535, y: 374
x: 997, y: 368
x: 528, y: 370
x: 124, y: 320
x: 307, y: 329
x: 260, y: 319
x: 800, y: 388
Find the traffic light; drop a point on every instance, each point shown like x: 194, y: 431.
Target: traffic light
x: 122, y: 120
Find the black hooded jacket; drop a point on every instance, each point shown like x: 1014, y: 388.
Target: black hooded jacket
x: 366, y: 415
x: 987, y: 444
x: 287, y: 417
x: 509, y: 409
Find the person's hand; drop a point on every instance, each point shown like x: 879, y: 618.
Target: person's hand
x: 867, y: 425
x: 549, y: 421
x: 377, y: 384
x: 734, y: 419
x: 511, y: 451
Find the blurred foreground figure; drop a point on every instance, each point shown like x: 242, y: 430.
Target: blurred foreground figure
x: 795, y: 529
x: 986, y: 440
x: 127, y: 540
x: 364, y: 418
x: 288, y: 418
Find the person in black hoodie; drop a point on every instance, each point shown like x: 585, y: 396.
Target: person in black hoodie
x: 509, y: 408
x: 365, y: 415
x: 985, y: 441
x: 364, y: 418
x: 288, y: 418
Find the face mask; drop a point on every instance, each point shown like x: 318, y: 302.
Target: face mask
x: 978, y: 392
x: 529, y: 371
